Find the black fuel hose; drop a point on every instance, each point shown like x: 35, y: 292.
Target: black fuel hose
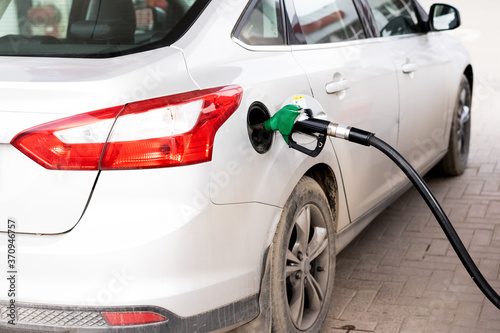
x: 369, y: 139
x: 322, y: 128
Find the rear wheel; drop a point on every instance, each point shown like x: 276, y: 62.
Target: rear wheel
x: 303, y: 265
x: 455, y: 161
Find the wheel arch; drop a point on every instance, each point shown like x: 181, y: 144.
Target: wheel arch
x: 326, y: 179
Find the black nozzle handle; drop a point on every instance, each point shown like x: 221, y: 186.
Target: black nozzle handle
x: 320, y: 144
x: 314, y: 127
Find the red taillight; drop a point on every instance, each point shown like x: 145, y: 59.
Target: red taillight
x: 167, y: 131
x: 132, y: 318
x: 48, y: 146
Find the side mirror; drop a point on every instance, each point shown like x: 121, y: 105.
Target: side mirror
x: 444, y: 17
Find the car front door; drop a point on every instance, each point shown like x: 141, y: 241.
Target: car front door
x: 421, y: 71
x: 353, y: 78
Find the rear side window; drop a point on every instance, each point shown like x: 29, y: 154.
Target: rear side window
x: 326, y: 21
x: 395, y: 17
x: 261, y: 24
x: 92, y: 28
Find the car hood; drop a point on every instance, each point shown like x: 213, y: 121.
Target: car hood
x: 38, y: 90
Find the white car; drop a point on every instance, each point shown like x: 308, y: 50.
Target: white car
x: 136, y: 194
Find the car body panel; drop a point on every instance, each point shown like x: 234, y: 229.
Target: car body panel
x: 422, y: 120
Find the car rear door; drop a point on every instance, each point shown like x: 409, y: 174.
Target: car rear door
x: 421, y: 70
x: 353, y: 78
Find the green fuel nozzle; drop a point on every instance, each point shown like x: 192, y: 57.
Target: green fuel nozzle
x: 293, y: 118
x: 284, y: 120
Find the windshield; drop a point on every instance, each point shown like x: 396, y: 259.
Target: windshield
x: 92, y: 28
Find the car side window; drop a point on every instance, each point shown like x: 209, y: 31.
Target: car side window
x: 326, y: 21
x: 261, y: 24
x: 395, y: 17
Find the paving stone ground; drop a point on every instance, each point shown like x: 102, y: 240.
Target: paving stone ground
x: 401, y: 275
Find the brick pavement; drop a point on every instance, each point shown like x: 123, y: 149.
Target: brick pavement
x: 401, y: 275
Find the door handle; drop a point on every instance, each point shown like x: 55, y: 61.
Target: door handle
x: 409, y: 68
x: 337, y: 86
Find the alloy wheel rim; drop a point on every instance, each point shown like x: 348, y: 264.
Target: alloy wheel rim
x: 307, y: 267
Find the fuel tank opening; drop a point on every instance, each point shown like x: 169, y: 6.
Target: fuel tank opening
x: 260, y: 138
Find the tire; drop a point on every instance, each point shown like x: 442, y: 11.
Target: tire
x: 455, y: 161
x: 303, y: 261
